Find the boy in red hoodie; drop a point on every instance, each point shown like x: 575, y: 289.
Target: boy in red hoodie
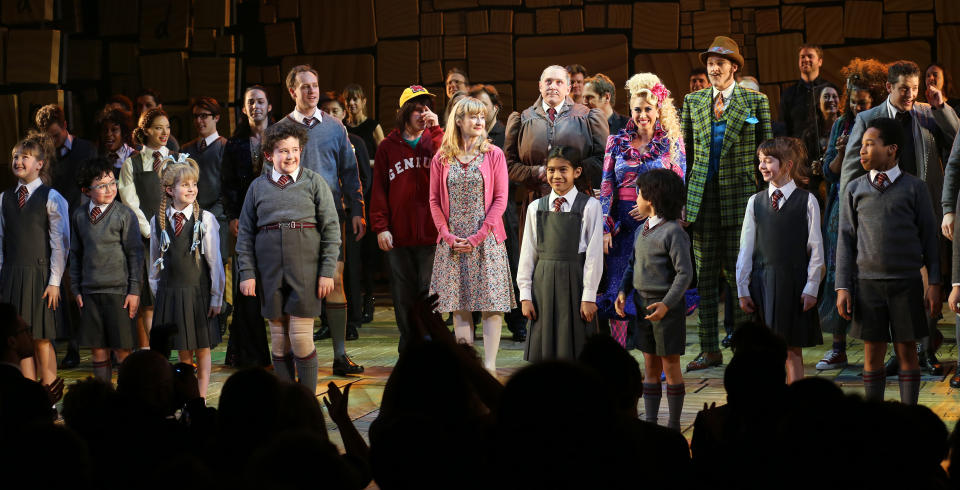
x: 400, y: 201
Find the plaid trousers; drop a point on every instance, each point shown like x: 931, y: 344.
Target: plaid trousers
x: 715, y: 248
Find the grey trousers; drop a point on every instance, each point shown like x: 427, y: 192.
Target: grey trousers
x: 410, y: 271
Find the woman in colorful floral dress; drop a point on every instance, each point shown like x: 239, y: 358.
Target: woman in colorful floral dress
x: 650, y: 140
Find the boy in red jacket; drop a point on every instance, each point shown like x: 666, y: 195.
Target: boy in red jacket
x: 400, y: 201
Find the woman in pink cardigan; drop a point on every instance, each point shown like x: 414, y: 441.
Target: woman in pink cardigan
x: 468, y: 194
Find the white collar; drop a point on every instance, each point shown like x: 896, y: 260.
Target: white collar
x: 546, y: 106
x: 569, y: 196
x: 786, y: 190
x: 276, y: 175
x: 103, y: 207
x: 300, y: 117
x: 892, y: 174
x: 187, y: 211
x: 164, y: 151
x: 727, y: 93
x: 210, y: 139
x: 653, y: 221
x: 892, y: 110
x: 31, y: 187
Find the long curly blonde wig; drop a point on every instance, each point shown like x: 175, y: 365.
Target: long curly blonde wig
x: 642, y: 86
x: 452, y: 145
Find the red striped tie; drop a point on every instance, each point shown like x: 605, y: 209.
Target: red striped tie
x: 157, y: 162
x: 283, y: 181
x: 22, y: 195
x: 178, y: 223
x: 95, y: 213
x: 558, y: 204
x: 775, y: 202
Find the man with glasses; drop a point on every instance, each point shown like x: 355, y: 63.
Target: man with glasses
x: 207, y: 150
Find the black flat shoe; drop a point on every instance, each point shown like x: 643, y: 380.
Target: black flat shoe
x: 352, y: 333
x: 955, y: 380
x: 930, y: 363
x: 892, y: 367
x: 71, y: 360
x: 323, y: 333
x: 520, y: 334
x: 726, y: 340
x: 368, y: 308
x: 343, y: 366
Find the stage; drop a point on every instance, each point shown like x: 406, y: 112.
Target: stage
x: 376, y: 350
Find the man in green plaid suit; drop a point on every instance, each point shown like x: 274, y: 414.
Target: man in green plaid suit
x: 722, y: 127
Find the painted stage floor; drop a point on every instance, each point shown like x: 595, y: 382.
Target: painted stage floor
x: 376, y: 351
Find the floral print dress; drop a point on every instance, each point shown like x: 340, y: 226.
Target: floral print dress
x: 479, y: 280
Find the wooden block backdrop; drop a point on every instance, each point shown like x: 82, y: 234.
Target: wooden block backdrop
x: 33, y: 56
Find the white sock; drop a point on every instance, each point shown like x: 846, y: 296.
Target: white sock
x: 492, y: 324
x: 463, y: 327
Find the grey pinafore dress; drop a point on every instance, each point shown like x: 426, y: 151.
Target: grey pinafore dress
x: 780, y: 270
x: 558, y: 332
x: 149, y: 191
x: 183, y: 295
x: 26, y: 260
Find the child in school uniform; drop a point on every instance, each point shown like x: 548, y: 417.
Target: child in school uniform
x: 657, y: 275
x: 186, y: 272
x: 35, y: 234
x: 106, y: 267
x: 558, y: 277
x: 887, y: 234
x: 140, y: 189
x: 781, y: 252
x: 287, y: 252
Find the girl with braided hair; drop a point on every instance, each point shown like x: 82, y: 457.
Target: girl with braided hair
x: 186, y: 272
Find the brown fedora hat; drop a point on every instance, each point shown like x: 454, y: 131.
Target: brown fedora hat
x: 725, y: 47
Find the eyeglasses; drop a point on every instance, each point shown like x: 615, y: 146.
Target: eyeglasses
x: 103, y: 187
x: 202, y: 115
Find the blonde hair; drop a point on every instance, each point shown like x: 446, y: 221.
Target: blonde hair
x: 169, y: 176
x: 40, y: 146
x: 452, y: 145
x: 641, y: 85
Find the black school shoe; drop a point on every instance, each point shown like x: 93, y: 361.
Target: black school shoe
x: 343, y: 366
x: 71, y: 360
x: 368, y: 308
x: 955, y: 380
x: 726, y: 340
x: 520, y: 334
x: 322, y: 333
x: 352, y: 333
x: 930, y: 363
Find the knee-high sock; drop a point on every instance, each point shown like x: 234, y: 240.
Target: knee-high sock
x: 283, y: 367
x: 337, y: 316
x: 307, y: 371
x: 463, y: 326
x: 874, y: 383
x: 618, y: 330
x: 280, y: 350
x: 651, y: 401
x: 675, y: 394
x: 492, y: 324
x: 103, y: 371
x: 909, y: 386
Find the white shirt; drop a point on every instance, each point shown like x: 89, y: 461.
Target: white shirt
x: 123, y: 153
x: 210, y: 139
x: 748, y: 236
x: 727, y: 92
x: 653, y: 221
x: 891, y: 110
x: 276, y: 175
x: 128, y: 191
x: 557, y: 107
x: 892, y: 174
x: 210, y: 240
x: 59, y: 216
x: 299, y: 117
x: 103, y: 207
x: 591, y: 242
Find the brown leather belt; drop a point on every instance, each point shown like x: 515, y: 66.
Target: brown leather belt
x: 289, y: 225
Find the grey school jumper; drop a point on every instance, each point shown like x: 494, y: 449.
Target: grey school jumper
x: 287, y: 263
x: 329, y: 153
x: 887, y: 234
x: 660, y: 266
x: 106, y: 257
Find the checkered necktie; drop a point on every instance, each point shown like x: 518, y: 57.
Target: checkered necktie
x: 283, y: 181
x: 775, y: 202
x: 309, y: 121
x: 157, y: 161
x: 95, y: 213
x: 881, y: 180
x: 22, y: 195
x: 552, y: 113
x: 558, y: 204
x: 202, y: 145
x: 178, y: 220
x: 718, y: 106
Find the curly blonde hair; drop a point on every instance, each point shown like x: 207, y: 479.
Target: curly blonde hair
x: 172, y: 174
x: 642, y: 85
x: 452, y: 145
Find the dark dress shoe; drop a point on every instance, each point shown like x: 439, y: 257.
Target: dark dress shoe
x: 520, y: 334
x: 352, y: 333
x: 726, y: 340
x: 71, y: 360
x: 343, y: 366
x: 322, y: 333
x: 892, y: 367
x: 955, y: 380
x: 368, y: 310
x: 705, y: 360
x: 930, y: 363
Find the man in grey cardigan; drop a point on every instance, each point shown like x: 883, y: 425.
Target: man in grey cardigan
x: 929, y: 129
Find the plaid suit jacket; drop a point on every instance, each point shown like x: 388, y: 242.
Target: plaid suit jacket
x: 748, y: 124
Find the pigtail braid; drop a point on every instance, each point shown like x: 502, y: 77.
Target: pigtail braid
x: 198, y: 217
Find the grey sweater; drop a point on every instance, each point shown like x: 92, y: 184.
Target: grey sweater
x: 210, y: 161
x: 106, y: 257
x: 660, y: 265
x: 329, y: 153
x: 887, y: 235
x: 307, y: 200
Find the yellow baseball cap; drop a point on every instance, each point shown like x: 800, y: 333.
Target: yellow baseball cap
x: 413, y: 91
